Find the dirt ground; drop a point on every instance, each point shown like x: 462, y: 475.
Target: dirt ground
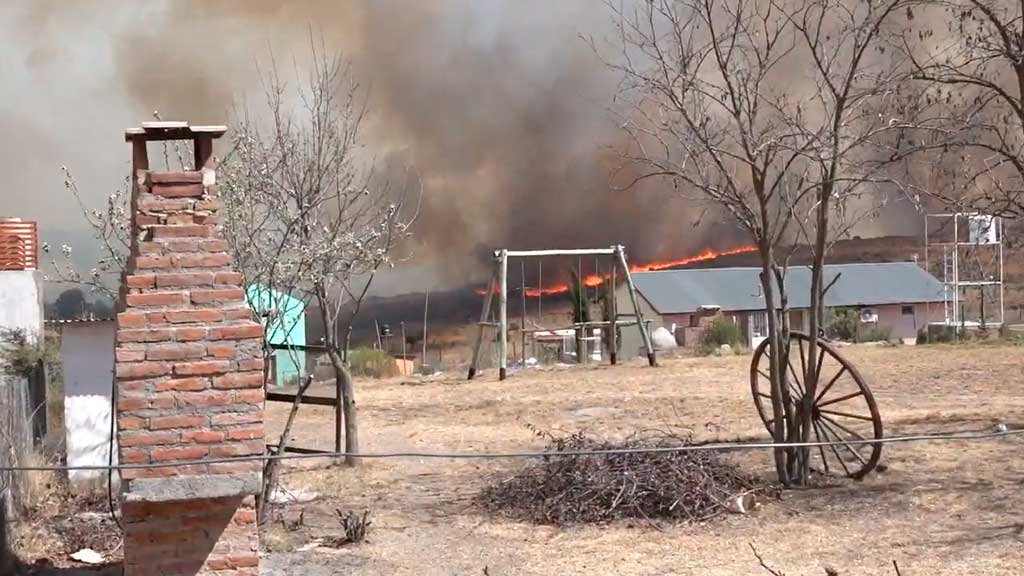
x: 938, y: 508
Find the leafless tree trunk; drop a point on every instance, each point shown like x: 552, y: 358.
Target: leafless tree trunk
x: 337, y: 222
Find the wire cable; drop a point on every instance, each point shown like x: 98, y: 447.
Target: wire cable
x: 962, y: 436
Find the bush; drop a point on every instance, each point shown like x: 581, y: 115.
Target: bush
x: 372, y: 363
x: 721, y: 331
x: 875, y: 334
x: 843, y: 325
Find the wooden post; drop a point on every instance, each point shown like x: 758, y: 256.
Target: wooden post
x: 621, y: 257
x: 503, y: 315
x: 581, y: 303
x: 376, y: 326
x: 540, y: 291
x: 202, y: 149
x: 485, y: 316
x: 613, y: 312
x: 405, y: 357
x: 522, y: 316
x: 426, y: 305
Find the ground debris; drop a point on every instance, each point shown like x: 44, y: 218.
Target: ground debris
x: 676, y: 486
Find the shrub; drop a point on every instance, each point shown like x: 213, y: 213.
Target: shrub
x: 372, y: 363
x: 843, y: 325
x: 721, y: 331
x: 875, y: 334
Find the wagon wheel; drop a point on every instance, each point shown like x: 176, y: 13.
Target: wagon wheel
x: 844, y: 409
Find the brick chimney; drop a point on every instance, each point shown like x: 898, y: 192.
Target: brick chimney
x: 189, y: 374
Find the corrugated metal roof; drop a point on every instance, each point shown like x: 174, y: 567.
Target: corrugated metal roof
x: 735, y: 289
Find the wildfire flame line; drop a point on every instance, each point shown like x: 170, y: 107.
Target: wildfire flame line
x: 595, y: 280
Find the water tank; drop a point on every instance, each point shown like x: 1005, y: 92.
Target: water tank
x: 982, y: 229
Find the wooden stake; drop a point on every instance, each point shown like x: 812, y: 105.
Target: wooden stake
x: 426, y: 306
x: 503, y: 315
x: 522, y: 316
x: 405, y: 357
x: 485, y: 316
x: 613, y: 312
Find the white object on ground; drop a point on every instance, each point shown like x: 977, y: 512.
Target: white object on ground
x: 662, y: 339
x: 298, y: 496
x: 88, y: 556
x: 742, y: 504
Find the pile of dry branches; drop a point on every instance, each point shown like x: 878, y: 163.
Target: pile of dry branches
x: 678, y: 486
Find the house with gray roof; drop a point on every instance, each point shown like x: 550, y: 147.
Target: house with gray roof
x: 898, y: 297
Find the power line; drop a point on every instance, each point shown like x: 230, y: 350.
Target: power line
x: 965, y: 436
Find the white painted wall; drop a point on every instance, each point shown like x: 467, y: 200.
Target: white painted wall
x: 87, y: 349
x: 21, y: 301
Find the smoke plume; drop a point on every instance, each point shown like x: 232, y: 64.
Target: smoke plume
x: 500, y: 108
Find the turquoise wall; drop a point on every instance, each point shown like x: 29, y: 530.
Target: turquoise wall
x: 286, y: 326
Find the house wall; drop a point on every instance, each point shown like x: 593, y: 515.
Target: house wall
x: 21, y: 301
x: 906, y: 326
x: 87, y: 352
x: 22, y: 400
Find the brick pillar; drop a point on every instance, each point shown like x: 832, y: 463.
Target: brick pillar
x: 189, y: 377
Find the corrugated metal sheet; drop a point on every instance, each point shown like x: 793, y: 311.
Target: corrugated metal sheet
x: 737, y: 289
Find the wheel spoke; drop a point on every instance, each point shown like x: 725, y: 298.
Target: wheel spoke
x: 821, y: 360
x: 835, y: 451
x: 845, y: 429
x: 803, y: 360
x: 847, y: 415
x: 796, y: 379
x: 830, y: 383
x: 766, y: 376
x: 763, y: 395
x: 842, y: 398
x: 821, y: 449
x: 856, y: 454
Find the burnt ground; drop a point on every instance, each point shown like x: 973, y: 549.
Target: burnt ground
x: 938, y: 508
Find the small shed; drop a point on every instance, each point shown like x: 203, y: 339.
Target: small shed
x: 284, y: 319
x: 87, y: 355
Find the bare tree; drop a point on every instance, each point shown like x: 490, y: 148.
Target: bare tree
x: 702, y: 113
x: 854, y: 104
x: 768, y: 110
x: 305, y: 194
x: 968, y: 56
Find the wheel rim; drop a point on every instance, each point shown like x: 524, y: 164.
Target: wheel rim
x: 844, y: 409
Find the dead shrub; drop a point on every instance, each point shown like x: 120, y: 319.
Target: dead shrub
x: 669, y: 485
x: 355, y: 525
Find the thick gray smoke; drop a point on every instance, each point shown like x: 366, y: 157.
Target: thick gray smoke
x: 499, y: 106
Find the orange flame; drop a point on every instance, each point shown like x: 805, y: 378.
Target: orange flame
x: 704, y: 256
x: 595, y: 280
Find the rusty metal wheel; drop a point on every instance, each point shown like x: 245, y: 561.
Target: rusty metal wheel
x: 844, y: 409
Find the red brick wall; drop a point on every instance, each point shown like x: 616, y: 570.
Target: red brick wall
x: 189, y: 376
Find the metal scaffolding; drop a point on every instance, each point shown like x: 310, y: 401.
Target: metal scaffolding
x: 967, y: 249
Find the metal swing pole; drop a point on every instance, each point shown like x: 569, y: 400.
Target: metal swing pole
x: 485, y: 315
x: 621, y: 257
x: 503, y: 315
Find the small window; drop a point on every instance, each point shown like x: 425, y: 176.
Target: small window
x: 907, y: 310
x: 694, y: 321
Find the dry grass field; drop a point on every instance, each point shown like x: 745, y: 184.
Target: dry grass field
x: 938, y: 508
